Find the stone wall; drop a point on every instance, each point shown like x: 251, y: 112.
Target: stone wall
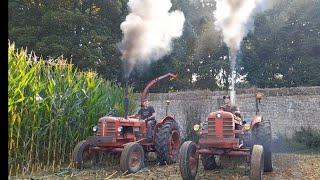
x: 287, y: 108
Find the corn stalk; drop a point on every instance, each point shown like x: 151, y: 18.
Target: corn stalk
x: 51, y: 104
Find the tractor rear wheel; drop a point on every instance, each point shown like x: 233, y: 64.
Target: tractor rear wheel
x: 167, y: 142
x: 132, y: 158
x: 256, y: 164
x: 83, y: 156
x: 261, y: 134
x: 188, y: 161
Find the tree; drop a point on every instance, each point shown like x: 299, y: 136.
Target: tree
x: 85, y: 32
x: 200, y: 51
x: 284, y: 50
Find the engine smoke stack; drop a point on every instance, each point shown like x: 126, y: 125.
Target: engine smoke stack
x: 233, y: 57
x: 233, y: 92
x: 126, y: 99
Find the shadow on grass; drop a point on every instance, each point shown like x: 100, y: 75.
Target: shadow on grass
x: 289, y: 146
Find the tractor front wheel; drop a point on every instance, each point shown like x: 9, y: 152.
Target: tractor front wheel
x: 256, y: 164
x: 132, y: 158
x: 167, y: 142
x: 83, y: 156
x: 188, y: 161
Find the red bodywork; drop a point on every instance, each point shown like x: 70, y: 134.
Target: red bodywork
x: 256, y: 120
x: 153, y: 83
x: 221, y: 130
x: 107, y: 137
x: 220, y: 137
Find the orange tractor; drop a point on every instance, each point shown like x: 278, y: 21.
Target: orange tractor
x: 128, y: 136
x: 224, y: 133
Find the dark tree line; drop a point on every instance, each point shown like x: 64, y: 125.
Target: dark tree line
x: 283, y: 51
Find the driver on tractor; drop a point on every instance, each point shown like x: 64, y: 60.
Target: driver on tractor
x: 147, y: 113
x: 231, y: 108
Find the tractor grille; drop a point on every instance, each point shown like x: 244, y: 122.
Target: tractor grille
x: 110, y: 129
x: 222, y: 130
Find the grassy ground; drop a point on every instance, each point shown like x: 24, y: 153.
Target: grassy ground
x: 290, y: 161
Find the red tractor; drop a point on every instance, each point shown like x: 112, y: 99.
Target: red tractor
x: 224, y: 133
x: 128, y: 136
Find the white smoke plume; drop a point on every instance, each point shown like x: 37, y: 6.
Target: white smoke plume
x: 235, y: 19
x: 148, y: 31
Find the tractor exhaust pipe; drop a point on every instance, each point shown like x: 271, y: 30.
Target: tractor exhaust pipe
x: 127, y: 70
x: 126, y: 99
x: 257, y: 107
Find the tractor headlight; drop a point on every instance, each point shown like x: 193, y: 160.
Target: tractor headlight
x: 246, y: 127
x: 219, y: 115
x: 196, y: 127
x: 94, y: 129
x: 120, y: 128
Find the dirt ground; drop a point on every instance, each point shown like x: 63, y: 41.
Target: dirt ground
x: 288, y: 163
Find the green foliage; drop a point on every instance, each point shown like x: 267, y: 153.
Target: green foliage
x: 284, y: 49
x: 85, y: 33
x: 308, y: 136
x: 193, y: 115
x: 52, y: 106
x: 192, y: 136
x: 200, y: 50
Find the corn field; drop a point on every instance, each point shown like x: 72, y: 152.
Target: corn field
x: 51, y: 107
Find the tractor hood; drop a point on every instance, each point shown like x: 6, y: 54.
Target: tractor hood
x: 220, y: 114
x: 108, y: 125
x: 110, y: 119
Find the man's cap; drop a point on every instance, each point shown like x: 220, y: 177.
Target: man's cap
x: 226, y: 97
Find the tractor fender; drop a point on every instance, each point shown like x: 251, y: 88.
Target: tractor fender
x: 255, y: 120
x: 161, y: 121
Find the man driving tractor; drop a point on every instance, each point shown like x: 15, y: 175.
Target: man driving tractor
x: 230, y: 108
x: 147, y: 113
